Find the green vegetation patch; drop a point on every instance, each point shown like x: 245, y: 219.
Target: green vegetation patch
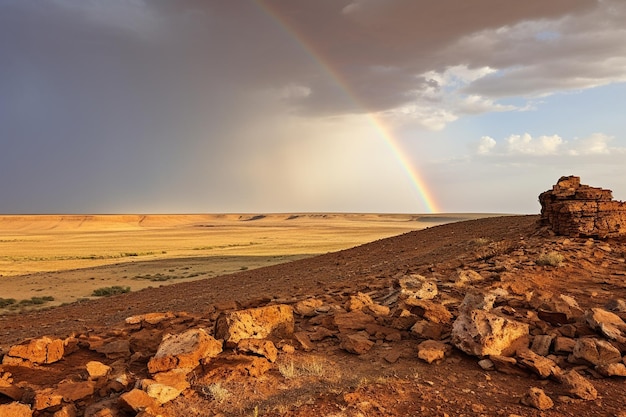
x: 5, y: 302
x: 109, y: 291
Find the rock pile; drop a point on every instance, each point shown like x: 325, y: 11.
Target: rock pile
x: 158, y: 357
x: 573, y: 209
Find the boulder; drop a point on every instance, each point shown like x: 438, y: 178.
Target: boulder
x: 356, y: 343
x: 541, y: 344
x: 574, y: 209
x: 577, y: 385
x: 113, y: 349
x: 538, y: 364
x: 274, y: 321
x: 467, y: 276
x: 74, y: 391
x: 184, y: 351
x: 15, y: 409
x: 432, y: 350
x: 477, y: 300
x: 612, y: 369
x: 161, y: 393
x: 431, y: 311
x: 417, y: 286
x: 538, y: 399
x: 481, y: 333
x: 258, y: 347
x: 97, y: 369
x: 176, y: 378
x: 354, y: 320
x: 596, y: 351
x: 564, y: 344
x: 307, y: 308
x: 609, y: 324
x: 137, y: 400
x: 358, y: 301
x: 38, y: 351
x: 46, y: 398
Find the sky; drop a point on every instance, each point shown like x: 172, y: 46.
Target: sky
x: 395, y: 106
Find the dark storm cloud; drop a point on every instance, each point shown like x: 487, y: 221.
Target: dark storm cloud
x: 107, y: 101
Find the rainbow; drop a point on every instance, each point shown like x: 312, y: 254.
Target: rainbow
x: 419, y: 186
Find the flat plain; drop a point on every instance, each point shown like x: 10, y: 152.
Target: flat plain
x: 64, y: 258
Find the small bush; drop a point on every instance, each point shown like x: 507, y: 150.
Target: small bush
x: 216, y: 392
x: 109, y: 291
x: 550, y: 259
x: 292, y: 370
x: 5, y: 302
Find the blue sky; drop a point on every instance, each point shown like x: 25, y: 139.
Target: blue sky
x: 267, y: 106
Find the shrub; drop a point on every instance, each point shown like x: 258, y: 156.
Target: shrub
x: 550, y: 259
x: 108, y: 291
x: 5, y: 302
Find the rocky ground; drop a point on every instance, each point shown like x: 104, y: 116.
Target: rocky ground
x: 487, y: 317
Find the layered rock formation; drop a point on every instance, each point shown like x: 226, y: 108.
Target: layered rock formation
x: 574, y: 209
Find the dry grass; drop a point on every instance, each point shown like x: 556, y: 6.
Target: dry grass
x: 295, y: 369
x: 550, y: 259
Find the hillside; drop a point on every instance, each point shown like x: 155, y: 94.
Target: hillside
x: 344, y: 362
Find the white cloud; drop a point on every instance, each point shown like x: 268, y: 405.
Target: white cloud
x: 485, y: 145
x: 526, y: 145
x: 596, y: 144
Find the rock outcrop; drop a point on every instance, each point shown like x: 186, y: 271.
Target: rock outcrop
x: 573, y: 209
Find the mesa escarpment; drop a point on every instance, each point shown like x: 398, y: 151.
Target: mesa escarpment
x: 489, y: 317
x: 574, y: 209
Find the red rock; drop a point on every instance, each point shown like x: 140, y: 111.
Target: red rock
x: 417, y: 287
x: 176, y: 378
x: 137, y: 400
x: 354, y: 320
x: 39, y: 351
x: 304, y: 341
x: 538, y: 364
x: 538, y: 399
x: 74, y: 391
x: 9, y: 390
x: 274, y: 321
x: 433, y: 312
x: 307, y: 308
x: 358, y: 301
x: 258, y: 347
x: 432, y: 350
x: 69, y: 410
x: 15, y: 409
x: 113, y: 348
x: 356, y: 343
x: 596, y: 351
x: 97, y: 369
x: 578, y: 386
x: 482, y: 333
x: 577, y: 210
x: 150, y: 318
x: 609, y: 324
x: 612, y: 369
x: 46, y: 398
x: 184, y: 351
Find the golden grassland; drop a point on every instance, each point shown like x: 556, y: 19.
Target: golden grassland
x: 66, y: 257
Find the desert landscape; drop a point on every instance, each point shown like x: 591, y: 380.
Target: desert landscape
x: 62, y: 258
x: 495, y: 316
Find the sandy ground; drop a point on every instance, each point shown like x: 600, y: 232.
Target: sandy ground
x: 67, y: 257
